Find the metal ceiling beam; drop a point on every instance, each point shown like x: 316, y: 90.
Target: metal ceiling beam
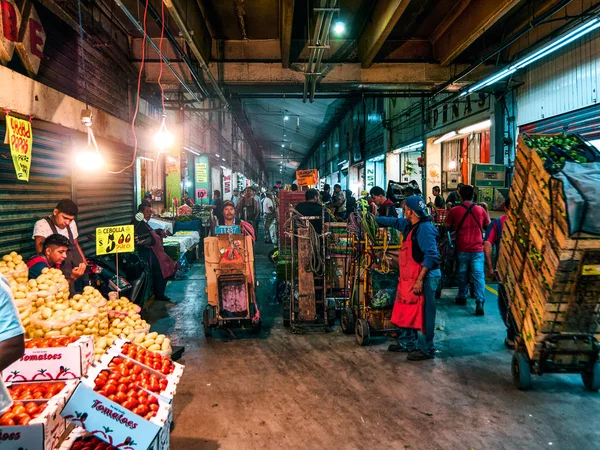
x: 287, y: 19
x: 383, y: 19
x: 447, y: 21
x: 475, y: 20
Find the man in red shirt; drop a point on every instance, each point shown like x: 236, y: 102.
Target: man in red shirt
x: 469, y: 221
x: 385, y: 207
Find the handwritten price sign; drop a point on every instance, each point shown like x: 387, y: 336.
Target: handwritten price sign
x: 19, y: 136
x: 111, y: 240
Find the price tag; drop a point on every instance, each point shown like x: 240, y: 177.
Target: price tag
x: 590, y: 270
x: 119, y: 239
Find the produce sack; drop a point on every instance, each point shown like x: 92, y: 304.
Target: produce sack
x: 384, y: 286
x: 581, y: 186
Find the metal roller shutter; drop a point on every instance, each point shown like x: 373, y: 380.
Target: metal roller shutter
x: 22, y: 203
x: 584, y: 122
x: 105, y: 199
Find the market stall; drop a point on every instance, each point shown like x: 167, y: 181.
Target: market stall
x: 72, y: 344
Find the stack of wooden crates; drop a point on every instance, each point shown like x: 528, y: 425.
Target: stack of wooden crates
x: 552, y: 279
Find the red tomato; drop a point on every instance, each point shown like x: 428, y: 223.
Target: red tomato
x: 25, y: 420
x: 110, y: 388
x: 113, y: 397
x: 121, y: 397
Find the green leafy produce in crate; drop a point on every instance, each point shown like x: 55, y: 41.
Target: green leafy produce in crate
x: 556, y: 150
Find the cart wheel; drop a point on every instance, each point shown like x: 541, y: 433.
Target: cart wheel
x: 207, y: 329
x: 347, y: 321
x: 591, y: 378
x: 521, y: 371
x: 361, y: 330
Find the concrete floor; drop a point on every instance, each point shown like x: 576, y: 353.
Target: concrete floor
x: 280, y: 391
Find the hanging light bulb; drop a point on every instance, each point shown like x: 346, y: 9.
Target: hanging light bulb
x: 163, y: 139
x: 89, y: 159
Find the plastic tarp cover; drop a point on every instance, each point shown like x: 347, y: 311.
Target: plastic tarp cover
x: 581, y: 186
x: 384, y: 289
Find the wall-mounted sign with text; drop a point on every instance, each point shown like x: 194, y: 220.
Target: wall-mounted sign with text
x: 19, y: 136
x: 458, y: 109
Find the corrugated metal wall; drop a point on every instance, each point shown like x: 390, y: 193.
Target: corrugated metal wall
x: 23, y: 203
x: 584, y: 122
x: 562, y: 82
x: 104, y: 199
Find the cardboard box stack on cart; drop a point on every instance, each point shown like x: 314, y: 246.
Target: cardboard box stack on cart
x: 140, y: 414
x: 552, y: 278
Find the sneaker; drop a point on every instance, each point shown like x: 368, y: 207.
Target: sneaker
x: 460, y: 301
x: 479, y: 309
x: 399, y: 348
x: 509, y: 343
x: 419, y: 355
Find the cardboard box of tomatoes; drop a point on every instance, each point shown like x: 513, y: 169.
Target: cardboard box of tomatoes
x: 149, y: 359
x: 110, y: 405
x: 31, y: 425
x: 58, y: 391
x: 60, y: 358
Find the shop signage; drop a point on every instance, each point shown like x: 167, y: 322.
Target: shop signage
x: 307, y: 177
x: 19, y: 136
x: 201, y: 172
x: 23, y: 32
x: 458, y: 109
x: 119, y: 239
x: 227, y: 184
x: 201, y: 193
x: 488, y: 175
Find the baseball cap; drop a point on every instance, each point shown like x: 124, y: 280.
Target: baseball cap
x: 227, y: 203
x: 417, y: 204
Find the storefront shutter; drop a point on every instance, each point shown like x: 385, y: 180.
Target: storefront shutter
x: 105, y: 199
x: 23, y: 203
x: 582, y: 121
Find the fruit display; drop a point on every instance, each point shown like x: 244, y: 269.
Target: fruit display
x: 50, y: 342
x: 556, y: 150
x: 90, y: 442
x: 136, y: 373
x: 149, y: 358
x: 121, y: 389
x: 35, y: 391
x: 21, y: 413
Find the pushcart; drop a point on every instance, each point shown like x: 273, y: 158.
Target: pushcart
x: 338, y: 252
x: 374, y: 285
x: 229, y: 259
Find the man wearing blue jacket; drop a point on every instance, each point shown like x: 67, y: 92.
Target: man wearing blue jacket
x: 414, y: 308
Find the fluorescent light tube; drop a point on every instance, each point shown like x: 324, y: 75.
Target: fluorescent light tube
x: 445, y: 137
x: 476, y: 127
x: 191, y: 151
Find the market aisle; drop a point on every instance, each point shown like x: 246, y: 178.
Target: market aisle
x: 322, y: 391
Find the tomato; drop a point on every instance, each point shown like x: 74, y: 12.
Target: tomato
x: 99, y: 383
x: 110, y: 388
x: 114, y: 376
x: 153, y: 407
x: 38, y: 395
x: 121, y: 397
x: 18, y: 409
x: 31, y: 408
x: 20, y: 416
x: 129, y: 404
x: 25, y: 420
x: 122, y: 388
x: 113, y: 397
x: 7, y: 422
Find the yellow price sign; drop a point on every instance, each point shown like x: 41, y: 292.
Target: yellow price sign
x: 119, y: 239
x: 590, y: 270
x: 19, y: 136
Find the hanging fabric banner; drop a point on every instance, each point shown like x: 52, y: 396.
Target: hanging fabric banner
x: 19, y: 136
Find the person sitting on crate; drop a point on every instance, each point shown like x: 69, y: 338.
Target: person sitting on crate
x: 148, y: 244
x: 311, y: 208
x: 493, y: 236
x: 414, y: 309
x: 469, y: 220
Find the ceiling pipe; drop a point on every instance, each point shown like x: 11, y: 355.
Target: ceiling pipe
x: 157, y: 18
x: 180, y: 22
x: 153, y: 45
x: 523, y: 31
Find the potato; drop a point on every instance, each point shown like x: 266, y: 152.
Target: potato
x: 154, y: 348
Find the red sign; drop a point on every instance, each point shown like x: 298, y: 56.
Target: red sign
x: 227, y: 184
x: 26, y: 26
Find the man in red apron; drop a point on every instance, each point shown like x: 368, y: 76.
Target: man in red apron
x: 149, y: 246
x: 414, y: 308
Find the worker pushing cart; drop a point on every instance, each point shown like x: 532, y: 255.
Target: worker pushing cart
x: 230, y: 276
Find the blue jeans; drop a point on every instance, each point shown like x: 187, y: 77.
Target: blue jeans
x: 474, y: 263
x: 408, y: 337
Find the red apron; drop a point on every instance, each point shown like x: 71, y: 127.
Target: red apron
x: 408, y: 307
x: 167, y: 266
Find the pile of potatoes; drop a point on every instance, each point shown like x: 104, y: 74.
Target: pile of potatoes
x: 47, y: 310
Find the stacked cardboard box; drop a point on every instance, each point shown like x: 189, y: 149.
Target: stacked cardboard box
x: 552, y: 279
